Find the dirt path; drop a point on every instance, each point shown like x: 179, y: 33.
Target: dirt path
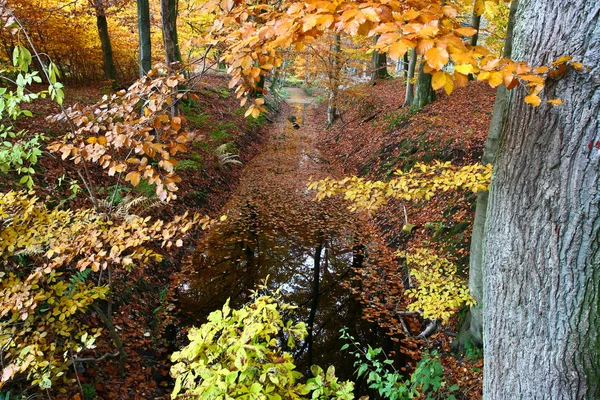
x: 297, y: 96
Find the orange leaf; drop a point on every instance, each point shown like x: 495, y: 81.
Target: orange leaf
x: 466, y: 31
x: 555, y: 102
x: 512, y: 84
x: 397, y: 50
x: 437, y: 57
x: 533, y: 99
x: 133, y: 177
x: 176, y: 123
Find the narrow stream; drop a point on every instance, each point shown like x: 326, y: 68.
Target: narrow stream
x: 276, y: 228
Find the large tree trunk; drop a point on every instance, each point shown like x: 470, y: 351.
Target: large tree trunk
x: 143, y: 14
x: 473, y: 328
x: 424, y: 92
x: 542, y: 235
x: 168, y: 12
x: 107, y: 55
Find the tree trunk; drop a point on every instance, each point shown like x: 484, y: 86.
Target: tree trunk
x: 475, y: 22
x: 405, y: 66
x: 143, y: 14
x: 168, y: 12
x: 335, y: 81
x: 410, y: 86
x: 310, y: 324
x: 379, y: 61
x: 107, y: 55
x: 542, y: 235
x: 424, y: 93
x: 473, y: 328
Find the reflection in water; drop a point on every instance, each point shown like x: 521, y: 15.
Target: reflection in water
x: 307, y: 248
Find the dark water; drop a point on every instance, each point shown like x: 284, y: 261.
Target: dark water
x: 275, y: 228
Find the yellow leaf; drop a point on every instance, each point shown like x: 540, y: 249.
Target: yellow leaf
x: 496, y: 79
x: 577, y: 66
x: 533, y: 99
x: 437, y: 57
x: 464, y: 69
x: 438, y: 80
x: 562, y: 60
x: 223, y: 218
x: 555, y: 102
x: 449, y: 86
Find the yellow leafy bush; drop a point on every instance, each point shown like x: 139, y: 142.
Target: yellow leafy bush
x: 421, y: 182
x: 47, y: 257
x: 439, y: 291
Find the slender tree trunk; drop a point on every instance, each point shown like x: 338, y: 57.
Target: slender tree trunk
x: 405, y: 66
x: 143, y: 14
x: 424, y: 93
x: 168, y: 11
x: 475, y: 22
x: 473, y: 328
x: 379, y: 62
x: 315, y: 302
x: 107, y: 55
x: 541, y: 298
x: 335, y: 81
x: 410, y: 86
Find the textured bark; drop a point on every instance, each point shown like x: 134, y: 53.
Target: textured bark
x: 410, y: 86
x: 168, y: 12
x: 542, y: 235
x: 107, y: 55
x: 379, y: 61
x: 424, y: 92
x: 473, y: 328
x: 143, y: 14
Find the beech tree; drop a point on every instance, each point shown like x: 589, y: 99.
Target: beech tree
x: 107, y: 53
x: 168, y: 11
x: 542, y: 234
x: 143, y: 16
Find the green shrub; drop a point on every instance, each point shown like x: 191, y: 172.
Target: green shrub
x: 240, y: 354
x: 427, y: 381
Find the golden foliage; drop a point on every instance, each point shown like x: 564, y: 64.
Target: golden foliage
x: 439, y: 292
x: 47, y: 254
x: 421, y: 182
x: 255, y: 35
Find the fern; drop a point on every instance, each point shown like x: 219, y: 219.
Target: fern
x: 225, y: 157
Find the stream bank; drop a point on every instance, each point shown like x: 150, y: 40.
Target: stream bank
x: 311, y: 250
